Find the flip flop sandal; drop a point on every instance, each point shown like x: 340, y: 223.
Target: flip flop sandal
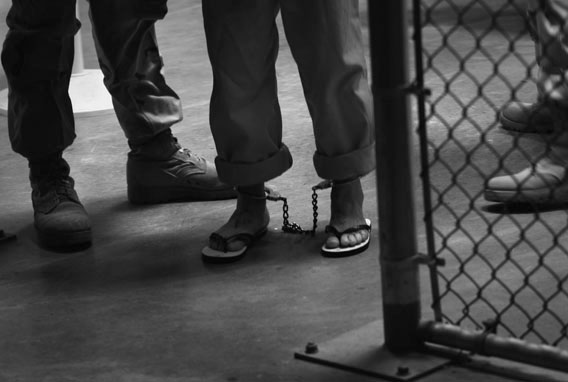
x: 347, y: 251
x: 222, y: 255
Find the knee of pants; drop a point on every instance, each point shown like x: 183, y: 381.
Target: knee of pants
x: 31, y: 57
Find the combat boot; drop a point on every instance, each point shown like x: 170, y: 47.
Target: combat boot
x: 60, y: 219
x: 161, y: 171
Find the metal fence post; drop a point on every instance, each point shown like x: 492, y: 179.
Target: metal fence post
x: 399, y: 357
x: 397, y: 231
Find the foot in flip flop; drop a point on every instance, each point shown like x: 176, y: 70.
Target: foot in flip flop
x: 247, y: 224
x: 350, y: 232
x: 348, y: 242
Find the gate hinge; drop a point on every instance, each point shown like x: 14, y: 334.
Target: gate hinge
x: 424, y: 259
x: 414, y: 88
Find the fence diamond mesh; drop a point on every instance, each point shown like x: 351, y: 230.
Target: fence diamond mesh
x: 506, y: 264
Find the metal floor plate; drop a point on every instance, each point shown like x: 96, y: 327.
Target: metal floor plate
x: 361, y: 351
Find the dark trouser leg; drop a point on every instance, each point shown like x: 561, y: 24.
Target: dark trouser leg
x: 128, y: 53
x: 38, y: 58
x: 158, y: 169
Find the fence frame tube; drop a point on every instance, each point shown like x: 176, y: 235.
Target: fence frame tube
x: 388, y: 29
x: 489, y: 344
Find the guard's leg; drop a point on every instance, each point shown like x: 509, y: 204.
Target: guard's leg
x: 158, y: 169
x: 37, y: 58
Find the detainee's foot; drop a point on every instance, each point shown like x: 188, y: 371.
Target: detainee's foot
x: 162, y: 171
x: 248, y: 223
x: 543, y: 182
x: 348, y: 228
x: 523, y: 117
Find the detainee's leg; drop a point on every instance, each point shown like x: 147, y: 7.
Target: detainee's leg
x: 37, y: 58
x: 546, y: 180
x: 326, y: 40
x: 524, y: 117
x: 242, y: 42
x: 158, y: 168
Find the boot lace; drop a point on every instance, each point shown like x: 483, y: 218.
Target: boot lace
x: 64, y: 188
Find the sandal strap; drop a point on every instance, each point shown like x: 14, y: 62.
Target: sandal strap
x: 222, y: 241
x: 361, y: 227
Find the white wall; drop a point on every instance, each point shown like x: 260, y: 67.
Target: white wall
x: 4, y: 6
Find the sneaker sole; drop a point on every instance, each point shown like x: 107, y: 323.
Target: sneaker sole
x: 510, y: 125
x: 559, y: 195
x: 146, y: 195
x: 68, y: 241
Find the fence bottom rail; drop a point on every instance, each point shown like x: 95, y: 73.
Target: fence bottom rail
x: 489, y: 344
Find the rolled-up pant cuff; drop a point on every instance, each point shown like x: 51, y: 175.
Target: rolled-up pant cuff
x: 246, y: 174
x: 346, y: 166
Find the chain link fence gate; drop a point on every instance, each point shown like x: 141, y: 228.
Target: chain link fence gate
x: 497, y: 268
x: 498, y: 271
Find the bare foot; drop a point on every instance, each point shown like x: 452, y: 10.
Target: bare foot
x: 250, y: 216
x: 347, y: 212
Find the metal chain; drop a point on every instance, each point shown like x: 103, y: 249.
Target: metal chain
x: 294, y: 227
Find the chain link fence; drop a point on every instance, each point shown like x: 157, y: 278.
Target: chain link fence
x: 506, y: 265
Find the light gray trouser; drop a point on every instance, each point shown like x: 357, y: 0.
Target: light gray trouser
x: 326, y: 42
x: 549, y: 21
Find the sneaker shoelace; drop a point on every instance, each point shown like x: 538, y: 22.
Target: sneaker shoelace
x: 190, y: 154
x: 189, y: 165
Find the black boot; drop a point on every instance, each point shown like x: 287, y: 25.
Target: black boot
x: 60, y: 219
x: 162, y: 171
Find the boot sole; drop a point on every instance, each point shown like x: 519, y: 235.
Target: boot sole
x: 148, y: 195
x: 68, y: 241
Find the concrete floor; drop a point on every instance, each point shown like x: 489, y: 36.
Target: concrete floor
x: 139, y: 305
